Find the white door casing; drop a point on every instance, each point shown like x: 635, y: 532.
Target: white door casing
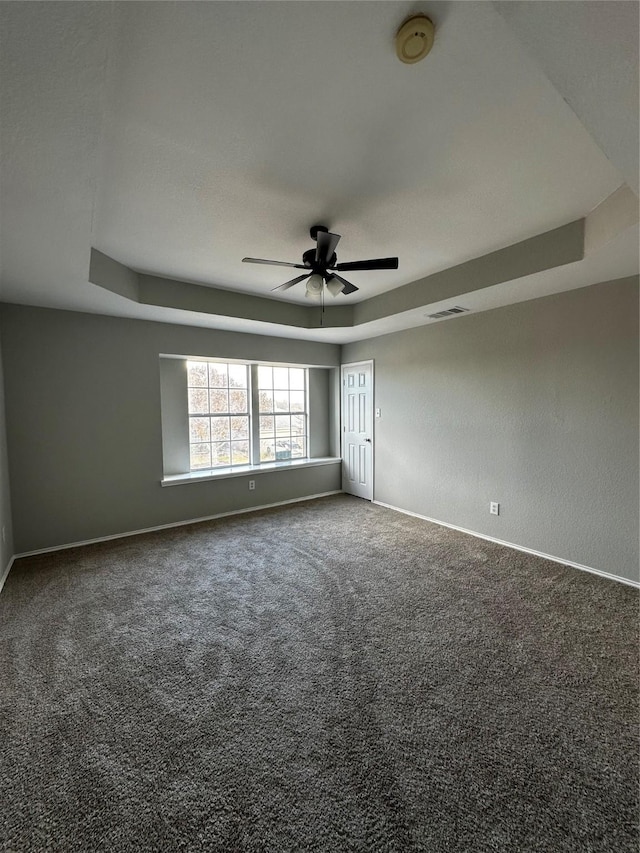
x: 357, y: 429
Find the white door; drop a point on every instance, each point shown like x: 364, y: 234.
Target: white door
x: 357, y: 429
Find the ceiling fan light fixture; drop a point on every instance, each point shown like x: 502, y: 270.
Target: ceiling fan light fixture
x: 315, y: 284
x: 320, y: 267
x: 334, y: 286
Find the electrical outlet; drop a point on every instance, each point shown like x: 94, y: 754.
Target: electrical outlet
x: 378, y: 413
x: 494, y: 508
x: 252, y: 485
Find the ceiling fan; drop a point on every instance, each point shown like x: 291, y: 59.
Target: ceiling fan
x: 321, y: 266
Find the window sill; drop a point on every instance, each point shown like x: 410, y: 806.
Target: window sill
x: 264, y: 468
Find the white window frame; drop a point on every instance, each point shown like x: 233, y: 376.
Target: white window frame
x: 228, y: 414
x: 254, y: 414
x: 257, y: 414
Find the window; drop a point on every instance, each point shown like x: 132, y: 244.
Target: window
x: 230, y: 426
x: 227, y: 419
x: 218, y: 414
x: 282, y: 408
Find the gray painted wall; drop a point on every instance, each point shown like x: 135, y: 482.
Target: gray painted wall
x: 174, y: 399
x: 84, y: 426
x: 535, y: 406
x: 319, y: 411
x: 6, y: 541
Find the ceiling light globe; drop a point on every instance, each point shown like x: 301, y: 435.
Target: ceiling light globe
x: 314, y: 286
x: 334, y: 286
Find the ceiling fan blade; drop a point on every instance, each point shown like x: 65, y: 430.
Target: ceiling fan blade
x: 348, y: 287
x: 273, y: 263
x: 327, y: 243
x: 373, y: 264
x: 293, y: 281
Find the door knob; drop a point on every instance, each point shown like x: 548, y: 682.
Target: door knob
x: 368, y: 439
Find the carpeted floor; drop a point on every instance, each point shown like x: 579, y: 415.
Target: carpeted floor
x: 328, y: 676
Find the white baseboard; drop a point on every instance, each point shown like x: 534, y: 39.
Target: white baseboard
x: 172, y: 524
x: 522, y: 548
x: 5, y: 574
x: 513, y: 545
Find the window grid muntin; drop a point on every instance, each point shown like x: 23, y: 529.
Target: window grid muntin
x: 216, y: 451
x: 282, y: 430
x: 291, y: 431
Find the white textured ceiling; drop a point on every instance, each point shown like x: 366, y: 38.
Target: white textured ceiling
x: 179, y: 137
x: 589, y: 51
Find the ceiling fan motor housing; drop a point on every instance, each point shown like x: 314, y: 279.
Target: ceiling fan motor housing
x: 309, y: 260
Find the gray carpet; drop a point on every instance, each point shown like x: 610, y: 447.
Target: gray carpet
x: 328, y: 676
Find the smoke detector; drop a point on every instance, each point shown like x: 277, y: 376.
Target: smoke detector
x: 414, y: 39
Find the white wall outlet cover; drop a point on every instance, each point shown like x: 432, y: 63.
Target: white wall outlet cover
x: 494, y: 508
